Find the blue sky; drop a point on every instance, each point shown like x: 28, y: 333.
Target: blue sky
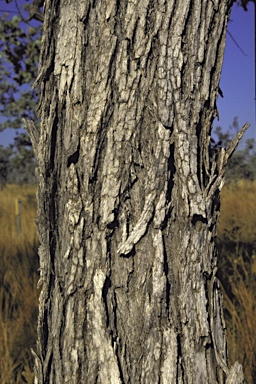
x: 237, y: 79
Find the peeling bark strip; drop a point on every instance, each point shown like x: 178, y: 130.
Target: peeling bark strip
x: 128, y: 193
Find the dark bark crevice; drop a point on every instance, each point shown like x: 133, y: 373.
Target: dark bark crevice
x: 105, y: 290
x: 180, y: 375
x: 120, y: 368
x: 168, y: 285
x: 73, y: 159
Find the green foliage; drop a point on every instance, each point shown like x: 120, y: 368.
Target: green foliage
x: 5, y: 154
x: 242, y: 164
x: 17, y: 162
x: 19, y: 55
x: 21, y: 167
x: 244, y: 3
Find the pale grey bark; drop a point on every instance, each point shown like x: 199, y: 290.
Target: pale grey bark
x: 128, y: 193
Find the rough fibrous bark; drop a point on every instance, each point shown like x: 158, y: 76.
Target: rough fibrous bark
x: 128, y: 193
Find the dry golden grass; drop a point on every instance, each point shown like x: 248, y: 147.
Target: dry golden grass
x: 238, y: 276
x: 237, y: 271
x: 8, y: 215
x: 18, y: 280
x: 238, y: 212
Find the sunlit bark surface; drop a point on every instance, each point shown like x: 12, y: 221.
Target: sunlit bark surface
x: 128, y: 193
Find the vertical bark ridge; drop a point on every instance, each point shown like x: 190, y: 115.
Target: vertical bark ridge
x: 126, y: 185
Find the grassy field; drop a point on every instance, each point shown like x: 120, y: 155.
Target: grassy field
x: 19, y: 275
x: 18, y: 284
x: 238, y: 212
x: 237, y: 272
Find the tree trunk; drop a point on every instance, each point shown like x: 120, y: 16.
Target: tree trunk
x: 128, y: 193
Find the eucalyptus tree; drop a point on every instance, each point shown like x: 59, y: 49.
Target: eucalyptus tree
x: 128, y: 193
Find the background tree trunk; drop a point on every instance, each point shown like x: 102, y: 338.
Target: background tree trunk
x: 128, y: 193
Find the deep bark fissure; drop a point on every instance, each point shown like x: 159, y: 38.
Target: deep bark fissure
x: 168, y: 285
x: 179, y: 358
x: 73, y: 159
x: 105, y: 290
